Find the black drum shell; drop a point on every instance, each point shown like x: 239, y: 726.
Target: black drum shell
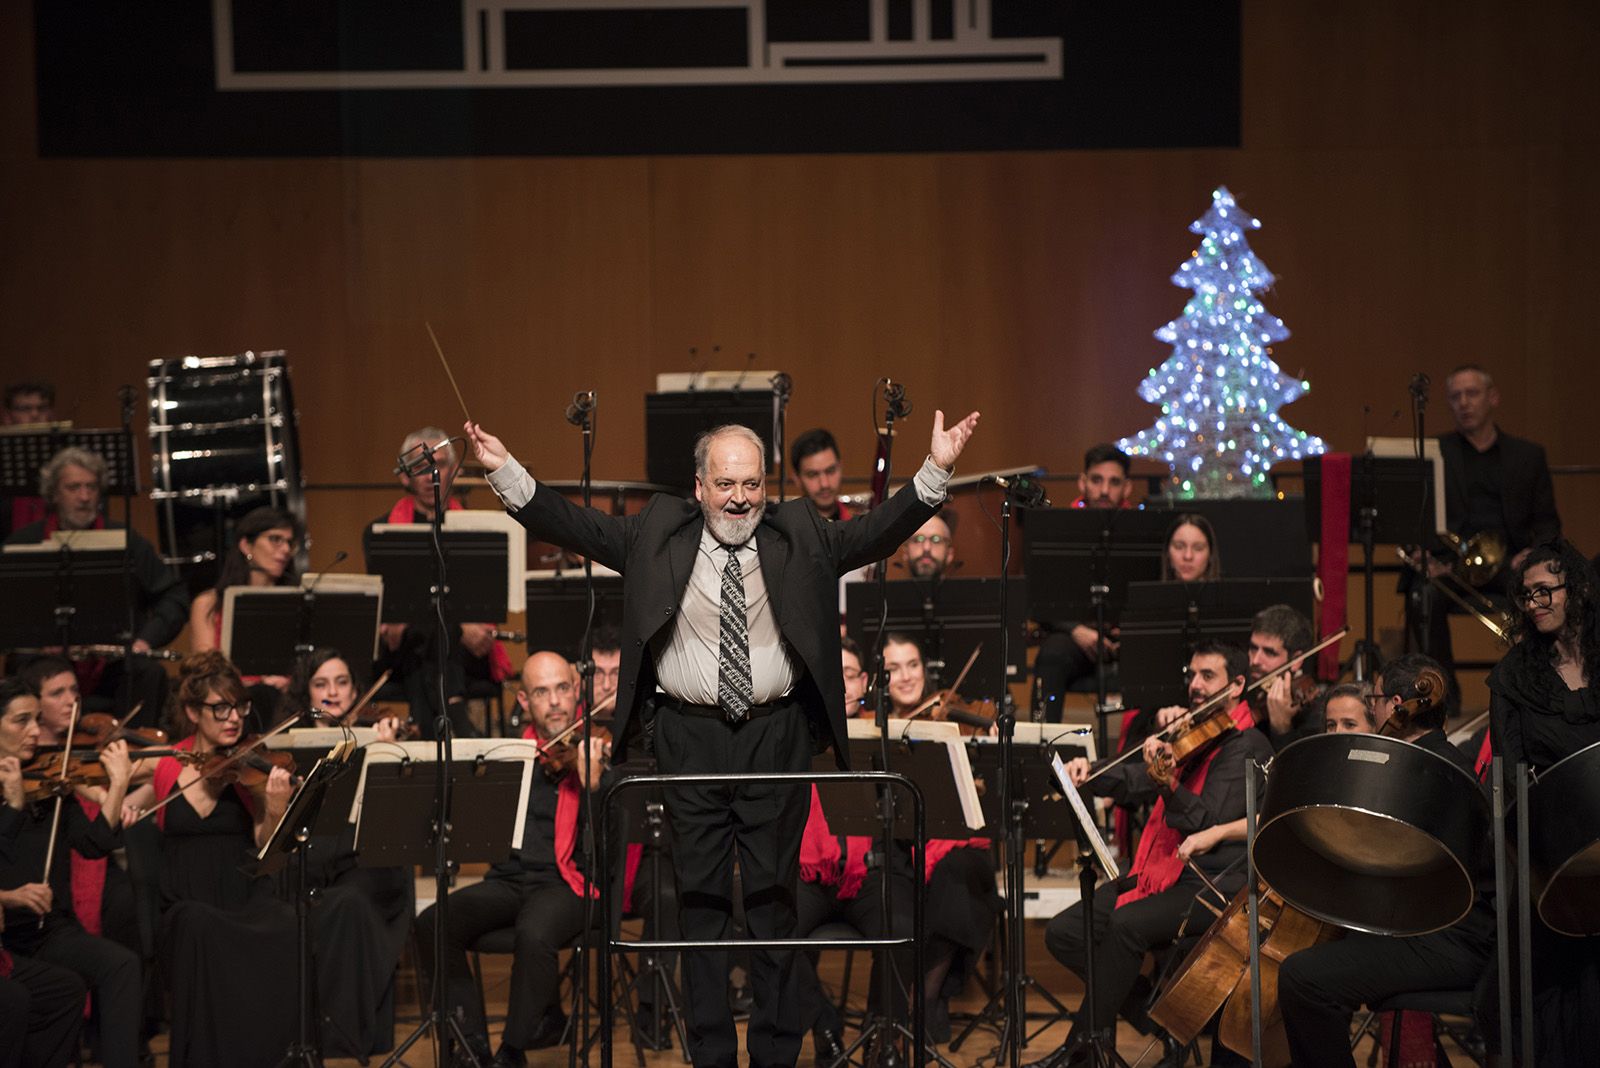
x: 1564, y: 830
x: 1371, y: 833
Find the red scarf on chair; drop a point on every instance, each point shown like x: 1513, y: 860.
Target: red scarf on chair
x: 1156, y: 864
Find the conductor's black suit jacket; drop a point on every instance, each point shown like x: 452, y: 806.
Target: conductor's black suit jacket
x: 1527, y: 496
x: 802, y: 557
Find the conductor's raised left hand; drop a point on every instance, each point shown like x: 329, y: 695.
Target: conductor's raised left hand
x: 947, y: 444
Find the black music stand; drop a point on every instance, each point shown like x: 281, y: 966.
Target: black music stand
x: 24, y: 450
x: 268, y: 629
x: 398, y: 805
x: 558, y: 605
x: 1260, y: 539
x: 291, y: 837
x: 1387, y: 495
x: 403, y: 555
x: 78, y: 595
x: 1163, y: 620
x: 949, y: 618
x: 1081, y: 561
x: 673, y: 421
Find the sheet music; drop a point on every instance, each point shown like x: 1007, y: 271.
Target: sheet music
x: 76, y: 541
x: 1108, y: 864
x: 516, y: 548
x: 939, y: 732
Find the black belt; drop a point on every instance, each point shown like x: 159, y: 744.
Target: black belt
x: 718, y: 712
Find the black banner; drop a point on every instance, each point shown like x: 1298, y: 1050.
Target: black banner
x: 622, y: 77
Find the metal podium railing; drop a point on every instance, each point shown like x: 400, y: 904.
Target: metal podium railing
x: 615, y: 944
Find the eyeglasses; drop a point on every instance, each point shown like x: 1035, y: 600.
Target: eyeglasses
x: 1538, y: 596
x: 221, y: 711
x: 544, y: 693
x: 924, y: 539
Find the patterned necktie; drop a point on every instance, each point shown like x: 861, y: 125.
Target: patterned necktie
x: 735, y: 689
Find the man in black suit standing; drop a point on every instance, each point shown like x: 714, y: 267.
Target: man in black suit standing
x: 730, y: 635
x: 1494, y: 484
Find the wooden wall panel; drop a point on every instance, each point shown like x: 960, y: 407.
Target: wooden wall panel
x: 1423, y: 173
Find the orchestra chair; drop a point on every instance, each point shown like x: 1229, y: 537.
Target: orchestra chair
x: 1445, y: 1007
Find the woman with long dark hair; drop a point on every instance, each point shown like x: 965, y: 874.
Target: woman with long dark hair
x: 1544, y: 705
x: 265, y: 542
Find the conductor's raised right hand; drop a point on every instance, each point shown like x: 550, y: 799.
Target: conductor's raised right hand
x: 486, y: 447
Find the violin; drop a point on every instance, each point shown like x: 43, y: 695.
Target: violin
x: 246, y: 763
x: 96, y: 730
x: 44, y: 777
x: 559, y: 754
x: 1208, y: 709
x: 950, y: 705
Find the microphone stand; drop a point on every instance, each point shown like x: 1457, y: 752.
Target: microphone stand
x: 582, y: 416
x: 125, y: 695
x: 1423, y: 588
x: 446, y: 1027
x: 782, y: 386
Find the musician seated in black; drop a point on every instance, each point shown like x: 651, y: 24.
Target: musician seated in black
x: 1068, y: 654
x: 1544, y: 706
x: 1321, y: 987
x: 71, y: 482
x: 322, y: 689
x: 1289, y: 707
x: 536, y: 890
x: 39, y: 919
x: 1146, y: 910
x: 1495, y: 487
x: 25, y: 403
x: 407, y: 649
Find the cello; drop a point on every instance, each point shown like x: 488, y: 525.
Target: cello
x: 1216, y: 975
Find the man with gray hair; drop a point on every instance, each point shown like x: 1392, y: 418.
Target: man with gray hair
x: 407, y: 649
x: 71, y: 483
x: 731, y: 642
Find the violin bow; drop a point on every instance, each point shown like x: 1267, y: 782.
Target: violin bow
x: 561, y: 735
x: 55, y: 819
x: 224, y: 766
x: 366, y: 698
x: 1216, y: 700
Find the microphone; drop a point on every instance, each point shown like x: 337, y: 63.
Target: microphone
x: 1023, y: 489
x: 419, y: 457
x: 894, y: 396
x: 338, y: 558
x: 749, y: 361
x: 1419, y: 387
x: 583, y: 402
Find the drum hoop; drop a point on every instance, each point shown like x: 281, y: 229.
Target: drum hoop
x: 275, y: 419
x: 1383, y: 741
x: 1318, y: 914
x: 1549, y: 884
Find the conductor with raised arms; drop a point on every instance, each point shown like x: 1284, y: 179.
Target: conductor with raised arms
x: 730, y: 635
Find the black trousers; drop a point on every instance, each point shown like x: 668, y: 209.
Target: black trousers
x: 817, y: 904
x: 1122, y: 938
x: 1320, y: 987
x: 41, y: 1010
x: 112, y: 974
x: 547, y: 916
x: 763, y: 825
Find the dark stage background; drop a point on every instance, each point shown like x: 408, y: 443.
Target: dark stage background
x: 1424, y: 173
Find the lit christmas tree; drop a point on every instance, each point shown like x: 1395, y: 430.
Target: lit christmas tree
x: 1220, y: 390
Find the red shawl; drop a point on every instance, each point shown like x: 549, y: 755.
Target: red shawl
x: 1156, y: 863
x: 569, y: 801
x: 166, y: 777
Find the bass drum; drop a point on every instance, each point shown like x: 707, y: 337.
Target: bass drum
x: 1371, y: 833
x: 1564, y: 858
x: 223, y: 440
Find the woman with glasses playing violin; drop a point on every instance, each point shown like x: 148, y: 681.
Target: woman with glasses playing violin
x: 226, y: 945
x: 1544, y: 705
x: 36, y: 831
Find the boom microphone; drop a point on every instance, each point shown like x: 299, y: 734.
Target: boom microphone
x: 894, y: 395
x: 583, y: 402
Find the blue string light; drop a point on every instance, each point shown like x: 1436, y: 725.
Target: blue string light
x: 1220, y: 390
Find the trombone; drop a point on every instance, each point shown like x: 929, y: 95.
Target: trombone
x: 1478, y: 560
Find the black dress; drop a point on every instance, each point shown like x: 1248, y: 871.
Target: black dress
x: 1535, y: 718
x: 229, y: 943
